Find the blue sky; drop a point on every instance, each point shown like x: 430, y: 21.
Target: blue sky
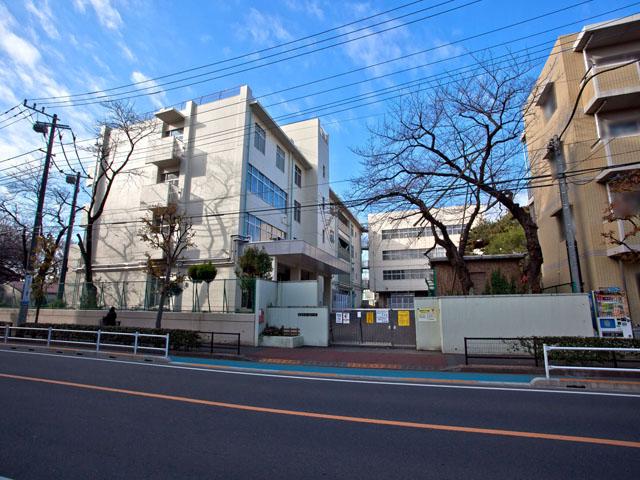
x: 56, y: 48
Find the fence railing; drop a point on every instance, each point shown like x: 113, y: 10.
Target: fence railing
x: 211, y: 342
x: 97, y: 339
x: 219, y: 296
x: 508, y: 348
x: 549, y: 348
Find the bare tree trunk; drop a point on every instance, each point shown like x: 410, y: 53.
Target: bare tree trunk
x: 163, y: 296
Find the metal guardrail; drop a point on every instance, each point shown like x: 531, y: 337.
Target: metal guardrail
x: 509, y: 348
x: 98, y: 343
x: 548, y: 367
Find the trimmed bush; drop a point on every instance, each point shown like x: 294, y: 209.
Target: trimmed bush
x: 178, y: 339
x: 534, y: 346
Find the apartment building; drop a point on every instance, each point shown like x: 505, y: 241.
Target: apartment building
x: 346, y: 232
x: 242, y: 179
x: 598, y: 71
x: 398, y: 267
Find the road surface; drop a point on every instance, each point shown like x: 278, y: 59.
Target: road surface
x: 70, y: 417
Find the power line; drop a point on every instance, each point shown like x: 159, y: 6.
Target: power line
x: 101, y: 98
x: 472, y: 37
x: 244, y: 55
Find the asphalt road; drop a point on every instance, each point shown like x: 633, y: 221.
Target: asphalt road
x: 145, y: 421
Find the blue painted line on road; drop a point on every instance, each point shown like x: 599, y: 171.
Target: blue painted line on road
x: 359, y: 372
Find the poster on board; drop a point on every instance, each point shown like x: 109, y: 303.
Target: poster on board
x: 427, y: 314
x: 346, y: 317
x: 404, y: 318
x: 382, y: 316
x: 370, y: 316
x: 338, y: 317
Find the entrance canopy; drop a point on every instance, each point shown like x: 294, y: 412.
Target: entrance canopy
x: 298, y: 253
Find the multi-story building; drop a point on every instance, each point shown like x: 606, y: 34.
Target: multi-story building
x: 241, y: 178
x: 399, y: 269
x: 597, y: 71
x: 347, y: 287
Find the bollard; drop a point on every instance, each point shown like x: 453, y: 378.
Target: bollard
x: 546, y: 360
x: 98, y: 341
x: 135, y: 343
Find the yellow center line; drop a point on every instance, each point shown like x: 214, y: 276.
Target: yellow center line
x: 327, y: 416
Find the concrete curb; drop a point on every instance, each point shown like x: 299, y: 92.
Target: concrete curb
x: 591, y: 384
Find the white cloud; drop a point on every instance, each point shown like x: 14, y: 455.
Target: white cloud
x: 159, y: 100
x: 44, y: 15
x: 262, y: 28
x: 20, y: 50
x: 107, y: 14
x: 127, y: 52
x: 309, y: 7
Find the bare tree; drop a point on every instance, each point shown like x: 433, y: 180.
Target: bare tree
x: 625, y: 208
x: 169, y: 233
x: 456, y: 143
x: 16, y: 207
x: 121, y: 133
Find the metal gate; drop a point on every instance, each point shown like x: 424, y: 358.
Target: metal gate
x: 373, y: 327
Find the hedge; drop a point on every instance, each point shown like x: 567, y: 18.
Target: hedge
x: 534, y: 346
x: 178, y: 339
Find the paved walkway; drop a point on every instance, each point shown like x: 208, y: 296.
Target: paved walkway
x: 354, y: 357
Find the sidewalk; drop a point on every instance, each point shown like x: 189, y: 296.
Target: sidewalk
x: 354, y: 357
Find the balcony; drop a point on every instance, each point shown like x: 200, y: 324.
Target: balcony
x: 611, y: 91
x: 165, y: 152
x: 159, y: 195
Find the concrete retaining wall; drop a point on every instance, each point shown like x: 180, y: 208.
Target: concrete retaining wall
x: 504, y: 316
x: 313, y: 322
x: 242, y: 323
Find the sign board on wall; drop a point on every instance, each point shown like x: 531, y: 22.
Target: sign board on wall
x: 370, y: 316
x: 338, y: 317
x: 404, y: 318
x: 345, y: 317
x: 382, y: 316
x: 427, y: 314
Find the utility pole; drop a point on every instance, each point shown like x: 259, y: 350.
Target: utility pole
x: 40, y: 127
x: 556, y: 155
x: 67, y: 245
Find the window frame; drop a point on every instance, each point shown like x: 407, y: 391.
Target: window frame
x: 280, y: 158
x: 259, y: 138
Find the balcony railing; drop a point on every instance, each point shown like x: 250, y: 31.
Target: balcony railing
x: 159, y: 195
x: 165, y: 152
x: 611, y: 90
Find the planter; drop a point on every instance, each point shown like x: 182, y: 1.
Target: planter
x: 281, y: 342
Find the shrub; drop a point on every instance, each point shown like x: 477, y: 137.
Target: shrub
x: 534, y: 346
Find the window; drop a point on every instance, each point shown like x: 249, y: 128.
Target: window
x: 547, y: 100
x: 298, y: 176
x: 415, y: 232
x: 175, y: 132
x: 280, y: 159
x: 169, y: 176
x: 415, y: 274
x: 621, y: 127
x: 259, y: 138
x: 297, y: 211
x: 437, y: 252
x: 257, y: 230
x: 407, y: 254
x: 401, y: 301
x: 265, y: 189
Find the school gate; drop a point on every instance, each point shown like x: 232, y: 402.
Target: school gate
x: 374, y: 327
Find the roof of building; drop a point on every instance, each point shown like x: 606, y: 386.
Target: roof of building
x: 479, y: 258
x: 334, y: 197
x: 610, y: 32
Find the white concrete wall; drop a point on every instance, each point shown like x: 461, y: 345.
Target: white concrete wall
x: 298, y: 294
x: 266, y: 294
x: 312, y: 322
x: 512, y: 316
x: 242, y: 323
x: 428, y: 327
